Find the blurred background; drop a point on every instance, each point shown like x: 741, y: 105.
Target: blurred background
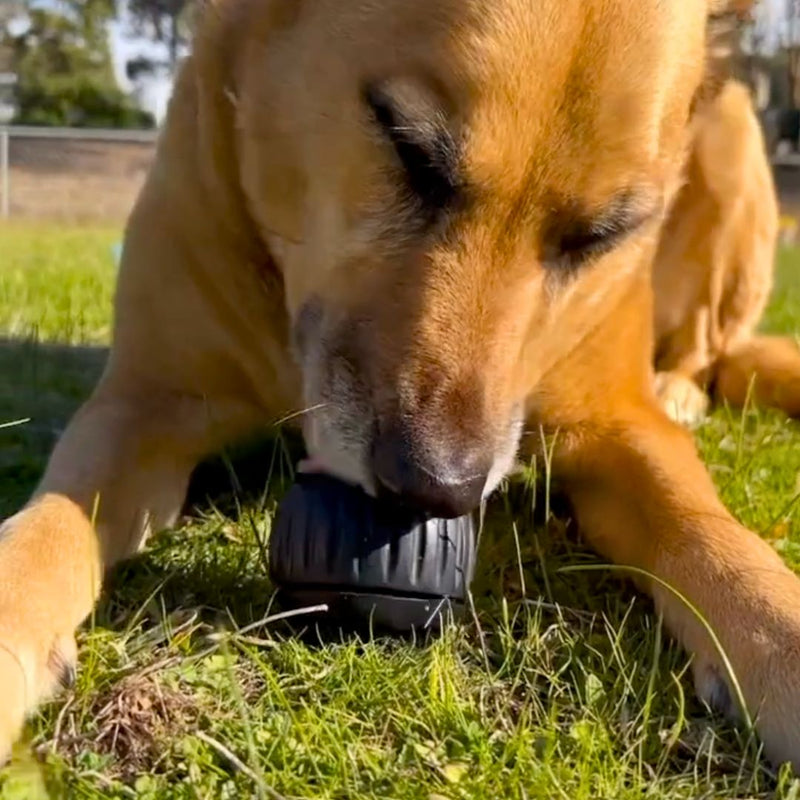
x: 84, y: 85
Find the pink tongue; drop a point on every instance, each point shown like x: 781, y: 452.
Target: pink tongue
x: 311, y: 466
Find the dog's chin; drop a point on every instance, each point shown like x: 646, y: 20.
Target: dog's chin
x: 318, y: 465
x: 348, y: 468
x: 328, y: 455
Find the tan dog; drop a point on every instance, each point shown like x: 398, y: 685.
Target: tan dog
x: 713, y: 271
x: 429, y: 222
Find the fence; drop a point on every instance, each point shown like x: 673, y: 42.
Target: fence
x: 83, y: 175
x: 71, y: 175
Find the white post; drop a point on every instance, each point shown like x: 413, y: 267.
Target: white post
x: 5, y: 182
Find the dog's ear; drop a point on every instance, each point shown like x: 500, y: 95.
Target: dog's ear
x: 198, y: 144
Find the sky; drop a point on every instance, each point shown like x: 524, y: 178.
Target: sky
x: 156, y: 92
x: 154, y: 95
x: 769, y: 13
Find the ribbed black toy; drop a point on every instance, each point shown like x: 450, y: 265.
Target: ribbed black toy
x: 374, y: 564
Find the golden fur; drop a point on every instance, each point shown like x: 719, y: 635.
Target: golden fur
x: 289, y: 252
x: 712, y: 274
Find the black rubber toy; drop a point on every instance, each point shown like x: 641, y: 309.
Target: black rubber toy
x: 372, y: 563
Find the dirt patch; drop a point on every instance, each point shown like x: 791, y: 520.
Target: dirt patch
x: 136, y: 721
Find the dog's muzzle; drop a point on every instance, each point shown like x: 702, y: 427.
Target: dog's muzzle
x: 438, y: 481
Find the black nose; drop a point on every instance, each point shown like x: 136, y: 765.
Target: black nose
x: 442, y: 485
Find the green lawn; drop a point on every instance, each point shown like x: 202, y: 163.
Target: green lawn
x: 558, y: 686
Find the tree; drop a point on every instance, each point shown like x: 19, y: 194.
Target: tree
x: 790, y: 44
x: 775, y: 34
x: 9, y: 10
x: 65, y: 74
x: 166, y: 23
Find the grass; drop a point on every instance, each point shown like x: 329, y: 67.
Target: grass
x: 558, y: 686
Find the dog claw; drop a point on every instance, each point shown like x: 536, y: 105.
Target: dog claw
x: 61, y: 663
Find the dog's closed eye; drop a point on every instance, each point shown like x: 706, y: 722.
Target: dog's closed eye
x: 573, y: 239
x: 422, y: 142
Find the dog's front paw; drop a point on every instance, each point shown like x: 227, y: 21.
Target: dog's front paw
x: 49, y: 578
x: 33, y: 666
x: 773, y: 708
x: 681, y: 398
x: 757, y: 622
x: 738, y: 614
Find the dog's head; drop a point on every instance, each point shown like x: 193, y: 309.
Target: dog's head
x: 454, y: 191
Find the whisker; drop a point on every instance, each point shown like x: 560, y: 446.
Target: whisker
x: 300, y: 413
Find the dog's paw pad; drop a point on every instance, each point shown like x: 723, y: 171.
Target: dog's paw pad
x: 681, y: 398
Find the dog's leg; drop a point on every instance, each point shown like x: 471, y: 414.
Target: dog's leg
x: 119, y: 471
x: 765, y: 368
x: 680, y: 367
x: 643, y: 499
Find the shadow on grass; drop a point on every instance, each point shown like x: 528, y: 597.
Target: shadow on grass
x: 214, y: 565
x: 217, y: 560
x: 44, y: 384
